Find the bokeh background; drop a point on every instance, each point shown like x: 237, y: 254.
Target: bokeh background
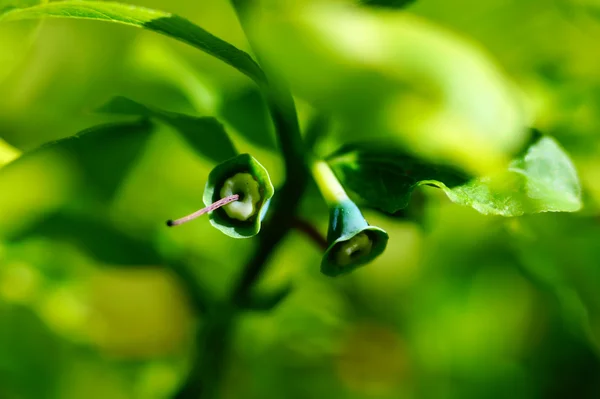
x: 97, y: 296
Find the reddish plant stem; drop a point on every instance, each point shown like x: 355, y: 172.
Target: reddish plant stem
x: 311, y: 232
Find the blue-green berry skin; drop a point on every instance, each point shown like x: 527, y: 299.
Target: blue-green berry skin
x: 345, y: 222
x: 243, y: 163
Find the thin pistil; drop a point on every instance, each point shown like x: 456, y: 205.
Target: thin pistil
x: 210, y: 208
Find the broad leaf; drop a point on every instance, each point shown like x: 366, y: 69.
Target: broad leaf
x: 560, y: 254
x: 157, y: 21
x: 15, y: 39
x: 93, y: 235
x: 247, y: 112
x: 387, y: 3
x: 96, y: 236
x: 379, y: 72
x: 7, y: 5
x: 81, y: 171
x: 543, y: 179
x: 104, y: 153
x: 204, y: 134
x: 384, y: 175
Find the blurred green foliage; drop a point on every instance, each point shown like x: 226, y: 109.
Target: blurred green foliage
x: 99, y: 300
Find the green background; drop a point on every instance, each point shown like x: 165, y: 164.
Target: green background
x: 95, y: 292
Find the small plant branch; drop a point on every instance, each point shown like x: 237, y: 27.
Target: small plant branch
x: 205, y: 376
x: 210, y: 208
x: 296, y: 179
x: 285, y: 119
x: 212, y: 345
x: 311, y: 232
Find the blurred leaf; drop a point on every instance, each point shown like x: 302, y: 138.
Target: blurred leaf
x: 317, y: 128
x: 154, y: 61
x: 94, y: 151
x: 95, y: 236
x: 247, y: 113
x: 16, y: 39
x: 82, y: 171
x: 380, y: 72
x: 158, y: 21
x: 138, y: 314
x: 28, y: 348
x: 387, y: 3
x: 204, y: 134
x: 543, y: 179
x: 560, y: 253
x: 592, y: 7
x: 7, y: 5
x: 7, y: 153
x: 108, y: 245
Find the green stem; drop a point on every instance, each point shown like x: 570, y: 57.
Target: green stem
x: 329, y: 186
x: 270, y: 237
x: 214, y: 342
x: 285, y: 119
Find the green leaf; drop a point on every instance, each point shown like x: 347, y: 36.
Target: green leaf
x: 204, y: 134
x: 378, y: 73
x: 542, y: 179
x: 158, y: 21
x: 84, y: 171
x: 99, y: 238
x: 559, y: 253
x: 104, y: 153
x: 246, y: 111
x: 7, y: 5
x: 27, y: 345
x: 16, y: 39
x: 384, y: 175
x: 95, y: 236
x: 387, y: 3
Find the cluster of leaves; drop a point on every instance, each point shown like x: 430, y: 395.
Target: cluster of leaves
x: 384, y: 172
x: 381, y: 173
